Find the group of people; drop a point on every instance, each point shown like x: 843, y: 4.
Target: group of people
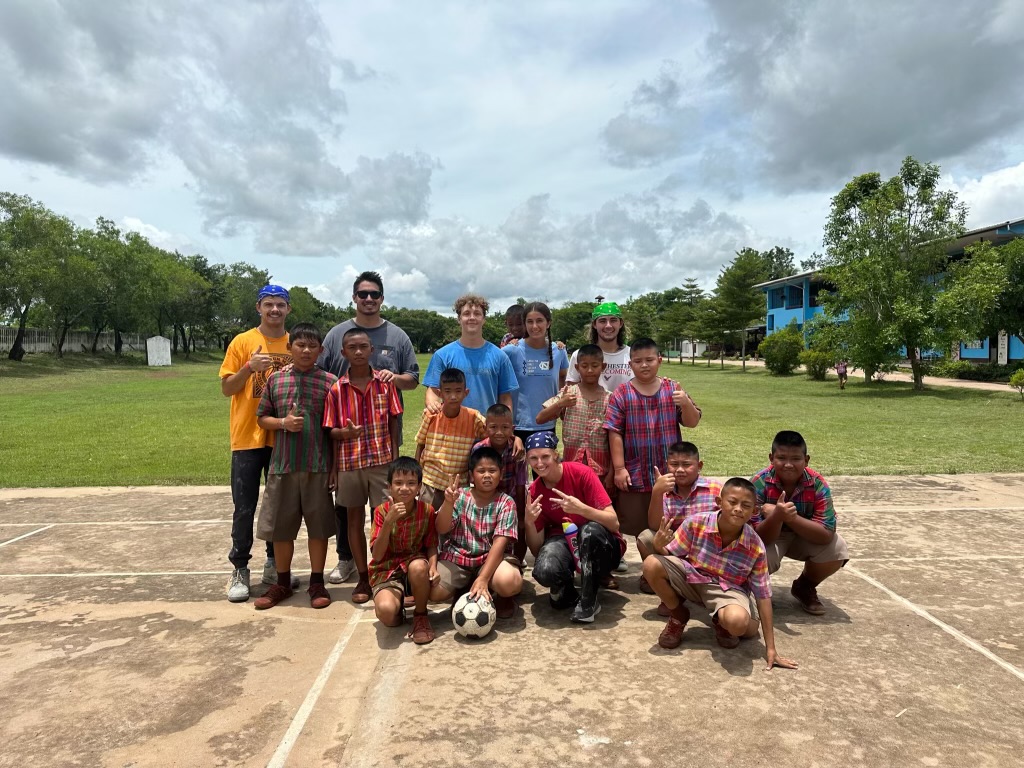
x: 322, y: 419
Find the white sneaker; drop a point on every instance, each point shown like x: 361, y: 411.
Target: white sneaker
x: 238, y: 589
x: 622, y: 567
x: 342, y: 572
x: 270, y: 573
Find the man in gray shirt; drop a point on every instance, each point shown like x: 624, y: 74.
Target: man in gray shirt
x: 395, y: 359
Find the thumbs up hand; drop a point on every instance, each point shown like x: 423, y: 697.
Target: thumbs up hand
x: 567, y: 398
x: 259, y: 362
x: 294, y: 421
x: 663, y: 483
x: 788, y: 508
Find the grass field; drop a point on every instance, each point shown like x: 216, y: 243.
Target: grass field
x: 88, y: 422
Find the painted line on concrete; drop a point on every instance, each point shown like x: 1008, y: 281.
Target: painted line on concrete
x: 952, y: 631
x: 129, y: 522
x: 109, y: 574
x: 897, y: 508
x: 937, y: 558
x: 25, y: 535
x: 284, y: 749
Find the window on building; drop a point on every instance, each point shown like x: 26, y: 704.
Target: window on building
x: 975, y: 344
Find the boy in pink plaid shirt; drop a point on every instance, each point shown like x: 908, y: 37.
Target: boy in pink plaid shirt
x: 644, y: 416
x: 715, y: 559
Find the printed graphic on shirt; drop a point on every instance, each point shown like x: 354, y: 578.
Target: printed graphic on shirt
x: 535, y: 367
x: 259, y: 378
x: 615, y: 369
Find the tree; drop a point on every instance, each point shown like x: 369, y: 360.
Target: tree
x: 781, y: 350
x: 778, y: 262
x: 641, y: 316
x: 1008, y: 313
x: 571, y: 323
x: 886, y: 254
x: 26, y: 227
x: 682, y: 319
x: 70, y: 280
x: 739, y: 302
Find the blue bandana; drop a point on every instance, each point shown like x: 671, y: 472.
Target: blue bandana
x: 544, y: 439
x: 272, y: 290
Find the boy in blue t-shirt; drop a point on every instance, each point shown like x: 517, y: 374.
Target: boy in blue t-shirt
x: 489, y: 375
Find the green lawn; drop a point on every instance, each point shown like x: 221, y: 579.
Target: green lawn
x: 99, y: 422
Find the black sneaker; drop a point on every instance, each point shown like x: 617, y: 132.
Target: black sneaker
x: 564, y: 597
x: 582, y: 616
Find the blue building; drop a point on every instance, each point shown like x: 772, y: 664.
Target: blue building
x: 796, y: 298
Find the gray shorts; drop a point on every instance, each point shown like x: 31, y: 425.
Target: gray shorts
x: 792, y: 546
x: 357, y: 486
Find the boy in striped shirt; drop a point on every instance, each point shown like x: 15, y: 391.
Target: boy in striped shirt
x: 362, y: 413
x: 301, y: 475
x: 717, y: 560
x: 446, y: 438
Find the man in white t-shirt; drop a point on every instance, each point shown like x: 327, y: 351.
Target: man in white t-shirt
x: 609, y: 333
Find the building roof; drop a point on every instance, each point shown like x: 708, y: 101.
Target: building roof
x: 788, y: 279
x: 997, y: 234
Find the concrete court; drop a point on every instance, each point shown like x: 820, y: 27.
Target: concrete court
x: 117, y: 648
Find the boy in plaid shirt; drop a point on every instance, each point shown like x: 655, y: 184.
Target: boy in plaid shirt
x: 500, y: 434
x: 679, y: 493
x: 403, y: 549
x: 362, y: 412
x: 480, y: 522
x: 301, y: 477
x: 795, y: 518
x: 716, y: 559
x: 643, y: 420
x: 446, y: 438
x: 583, y: 408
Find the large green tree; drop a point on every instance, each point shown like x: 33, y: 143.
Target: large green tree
x: 682, y: 319
x: 738, y: 302
x: 886, y: 254
x: 26, y: 230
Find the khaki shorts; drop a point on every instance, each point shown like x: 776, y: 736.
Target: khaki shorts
x: 358, y: 486
x: 631, y: 509
x: 711, y: 596
x: 455, y: 577
x: 792, y: 546
x: 290, y: 499
x: 397, y: 581
x: 646, y: 537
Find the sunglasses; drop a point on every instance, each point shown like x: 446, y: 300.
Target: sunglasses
x: 369, y: 294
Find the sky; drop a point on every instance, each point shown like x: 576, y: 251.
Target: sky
x: 550, y: 150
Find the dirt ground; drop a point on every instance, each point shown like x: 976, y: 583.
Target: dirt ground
x: 118, y: 648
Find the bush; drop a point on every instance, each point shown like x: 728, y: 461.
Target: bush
x: 781, y: 350
x: 816, y: 363
x: 951, y: 369
x: 1017, y: 382
x: 963, y: 369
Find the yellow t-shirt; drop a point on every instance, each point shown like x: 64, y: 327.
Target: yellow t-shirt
x: 245, y: 432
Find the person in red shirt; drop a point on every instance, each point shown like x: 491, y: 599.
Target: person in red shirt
x: 569, y: 491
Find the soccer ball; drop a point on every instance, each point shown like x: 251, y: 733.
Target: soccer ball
x: 473, y: 617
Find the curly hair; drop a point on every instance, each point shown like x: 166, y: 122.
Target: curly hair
x: 471, y: 299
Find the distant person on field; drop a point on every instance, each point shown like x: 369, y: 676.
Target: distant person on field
x: 248, y: 362
x: 489, y: 375
x: 362, y: 414
x: 582, y: 408
x: 716, y: 560
x: 403, y: 546
x: 393, y: 358
x: 301, y: 468
x: 841, y: 371
x: 445, y: 439
x: 644, y: 416
x: 796, y: 519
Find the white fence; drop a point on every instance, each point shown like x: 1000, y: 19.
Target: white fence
x: 38, y: 340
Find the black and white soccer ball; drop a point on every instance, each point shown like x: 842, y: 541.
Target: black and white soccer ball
x: 473, y: 617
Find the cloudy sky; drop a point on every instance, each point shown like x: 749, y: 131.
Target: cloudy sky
x: 553, y: 150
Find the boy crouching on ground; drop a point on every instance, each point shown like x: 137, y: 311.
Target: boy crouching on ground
x: 301, y: 476
x: 715, y: 558
x: 480, y: 522
x: 403, y: 551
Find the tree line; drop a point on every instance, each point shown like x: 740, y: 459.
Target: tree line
x: 891, y: 287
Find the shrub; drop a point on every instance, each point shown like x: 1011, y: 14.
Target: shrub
x: 963, y: 369
x: 951, y: 369
x: 1017, y: 382
x: 781, y: 350
x: 816, y: 363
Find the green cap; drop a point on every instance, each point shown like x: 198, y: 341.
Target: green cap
x: 608, y: 309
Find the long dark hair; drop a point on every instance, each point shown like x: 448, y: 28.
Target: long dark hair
x: 539, y: 306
